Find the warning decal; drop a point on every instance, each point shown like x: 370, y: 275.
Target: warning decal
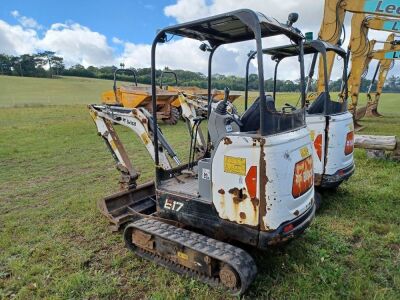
x: 235, y: 165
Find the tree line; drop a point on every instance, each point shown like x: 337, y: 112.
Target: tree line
x: 47, y: 64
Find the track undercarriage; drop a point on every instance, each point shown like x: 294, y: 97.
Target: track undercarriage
x: 167, y: 244
x: 188, y: 253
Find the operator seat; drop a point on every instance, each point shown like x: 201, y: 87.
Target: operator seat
x: 251, y: 118
x: 332, y: 107
x: 317, y: 107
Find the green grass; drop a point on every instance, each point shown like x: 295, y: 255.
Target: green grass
x: 55, y: 244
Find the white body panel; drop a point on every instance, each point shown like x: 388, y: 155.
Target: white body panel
x: 339, y: 126
x: 280, y: 153
x: 225, y: 183
x: 333, y: 157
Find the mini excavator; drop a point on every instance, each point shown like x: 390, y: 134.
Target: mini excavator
x: 253, y: 185
x: 330, y: 123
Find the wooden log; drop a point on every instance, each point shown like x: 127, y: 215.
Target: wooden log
x: 375, y: 142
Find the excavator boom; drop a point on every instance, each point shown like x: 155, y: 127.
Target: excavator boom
x: 386, y: 57
x: 384, y: 24
x: 390, y: 8
x: 333, y: 20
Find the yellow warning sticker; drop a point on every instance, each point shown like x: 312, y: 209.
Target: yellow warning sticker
x: 113, y: 145
x: 183, y: 255
x: 304, y: 152
x: 145, y: 138
x: 235, y: 165
x: 312, y: 134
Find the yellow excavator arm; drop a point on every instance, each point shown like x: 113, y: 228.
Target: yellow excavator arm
x: 383, y: 24
x: 383, y: 67
x: 333, y: 19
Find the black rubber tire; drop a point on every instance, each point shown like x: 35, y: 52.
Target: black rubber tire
x: 174, y: 117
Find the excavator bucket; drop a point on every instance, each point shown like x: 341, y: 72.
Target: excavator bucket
x: 360, y: 113
x: 126, y: 206
x: 139, y: 96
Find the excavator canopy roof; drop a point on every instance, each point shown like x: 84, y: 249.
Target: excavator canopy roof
x: 281, y: 52
x: 232, y: 27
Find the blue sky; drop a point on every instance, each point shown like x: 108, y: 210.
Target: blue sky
x: 135, y: 21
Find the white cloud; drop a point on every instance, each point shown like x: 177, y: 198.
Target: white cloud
x: 190, y: 57
x: 77, y: 44
x: 186, y: 10
x: 26, y: 21
x: 16, y: 40
x: 310, y: 17
x: 74, y: 42
x: 116, y: 40
x: 15, y: 13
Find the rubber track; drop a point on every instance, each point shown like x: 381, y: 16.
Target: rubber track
x: 233, y: 256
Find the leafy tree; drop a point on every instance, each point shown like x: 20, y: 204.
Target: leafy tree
x: 6, y: 64
x: 46, y: 57
x: 33, y: 65
x: 58, y: 64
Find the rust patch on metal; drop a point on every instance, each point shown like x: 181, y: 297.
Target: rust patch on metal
x: 238, y: 195
x: 227, y: 141
x: 255, y: 202
x: 143, y: 239
x: 263, y: 185
x: 221, y: 191
x: 234, y: 191
x: 228, y: 277
x: 317, y: 179
x: 242, y: 215
x: 278, y: 240
x: 296, y: 213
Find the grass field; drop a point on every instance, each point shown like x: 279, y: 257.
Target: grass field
x: 55, y: 244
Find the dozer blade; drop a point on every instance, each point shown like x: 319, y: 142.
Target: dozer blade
x: 127, y: 206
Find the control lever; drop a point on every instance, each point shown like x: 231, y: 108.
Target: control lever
x: 222, y: 105
x: 290, y: 106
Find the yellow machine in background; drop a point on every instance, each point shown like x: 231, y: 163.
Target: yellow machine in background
x: 386, y: 62
x: 169, y: 107
x: 133, y: 96
x: 331, y: 31
x: 196, y: 96
x: 333, y: 20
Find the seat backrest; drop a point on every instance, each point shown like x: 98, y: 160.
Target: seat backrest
x: 332, y: 107
x: 251, y: 118
x: 317, y: 107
